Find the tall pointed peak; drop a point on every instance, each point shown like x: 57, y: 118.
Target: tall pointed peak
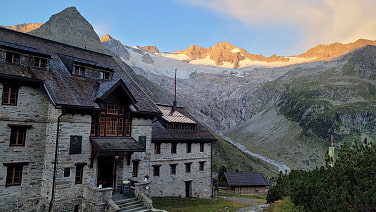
x: 105, y: 38
x: 70, y: 27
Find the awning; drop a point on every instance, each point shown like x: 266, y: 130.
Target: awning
x: 116, y: 144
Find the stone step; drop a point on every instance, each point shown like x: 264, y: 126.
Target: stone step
x: 131, y: 205
x: 139, y: 209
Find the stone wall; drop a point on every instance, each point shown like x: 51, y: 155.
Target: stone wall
x: 30, y: 110
x: 68, y: 194
x: 168, y: 184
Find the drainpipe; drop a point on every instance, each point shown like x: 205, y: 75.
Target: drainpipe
x: 55, y: 160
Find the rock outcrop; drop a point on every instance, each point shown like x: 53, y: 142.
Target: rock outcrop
x: 327, y: 52
x: 225, y: 52
x: 25, y: 27
x: 152, y: 49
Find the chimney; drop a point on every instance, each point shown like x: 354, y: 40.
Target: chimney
x: 174, y: 103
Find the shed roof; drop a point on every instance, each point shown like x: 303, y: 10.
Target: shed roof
x: 245, y: 179
x: 117, y: 144
x: 161, y: 134
x: 175, y: 116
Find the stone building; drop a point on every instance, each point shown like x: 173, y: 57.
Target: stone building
x: 181, y: 159
x: 74, y: 126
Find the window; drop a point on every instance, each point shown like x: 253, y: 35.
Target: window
x: 40, y: 62
x: 188, y: 167
x: 173, y: 169
x: 10, y: 94
x: 115, y: 120
x: 202, y: 147
x: 135, y: 168
x: 189, y: 147
x: 14, y: 173
x: 93, y: 127
x: 79, y: 70
x: 12, y: 57
x: 156, y: 170
x: 201, y: 165
x: 66, y: 172
x: 105, y: 75
x: 157, y: 148
x: 79, y: 173
x: 18, y: 134
x: 173, y: 147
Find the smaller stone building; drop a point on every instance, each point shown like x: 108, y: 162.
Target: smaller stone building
x: 246, y: 183
x: 181, y: 158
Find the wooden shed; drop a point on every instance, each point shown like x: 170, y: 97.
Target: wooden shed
x: 246, y: 183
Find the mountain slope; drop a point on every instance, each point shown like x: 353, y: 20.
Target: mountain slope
x: 309, y: 105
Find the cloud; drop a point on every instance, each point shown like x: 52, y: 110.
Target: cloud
x: 319, y: 21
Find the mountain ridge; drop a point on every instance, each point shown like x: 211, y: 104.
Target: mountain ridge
x: 222, y: 54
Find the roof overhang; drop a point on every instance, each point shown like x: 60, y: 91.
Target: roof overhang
x: 116, y: 144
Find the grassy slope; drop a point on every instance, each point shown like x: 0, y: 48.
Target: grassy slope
x: 174, y: 204
x: 225, y: 154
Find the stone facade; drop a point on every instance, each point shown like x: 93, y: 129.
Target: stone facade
x: 198, y: 182
x: 29, y: 194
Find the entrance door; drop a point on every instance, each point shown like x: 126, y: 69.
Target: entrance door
x: 188, y: 189
x: 106, y: 171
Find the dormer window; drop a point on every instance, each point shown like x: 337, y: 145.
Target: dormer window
x: 79, y: 70
x: 40, y: 62
x: 12, y: 57
x: 105, y: 75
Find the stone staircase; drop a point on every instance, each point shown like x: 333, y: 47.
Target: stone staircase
x: 131, y: 205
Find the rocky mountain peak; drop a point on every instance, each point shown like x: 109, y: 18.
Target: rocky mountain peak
x: 25, y: 27
x: 105, y: 38
x: 224, y: 45
x: 226, y: 53
x: 70, y: 27
x: 152, y: 49
x: 330, y: 51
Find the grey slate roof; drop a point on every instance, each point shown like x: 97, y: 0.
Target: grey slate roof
x: 62, y: 88
x: 161, y: 134
x: 245, y: 179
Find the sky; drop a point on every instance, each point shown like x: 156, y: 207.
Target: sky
x: 282, y: 27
